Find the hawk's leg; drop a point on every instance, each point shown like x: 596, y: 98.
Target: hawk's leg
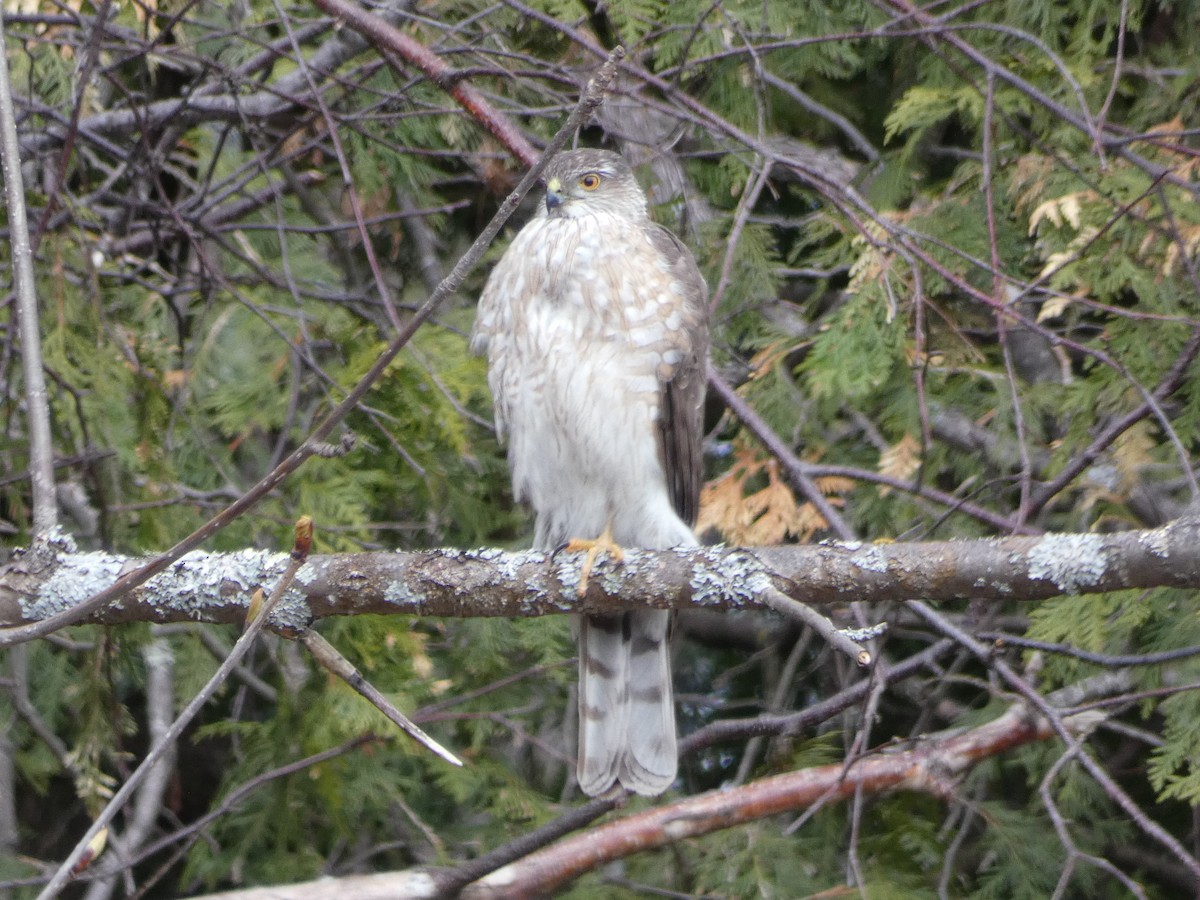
x: 602, y: 544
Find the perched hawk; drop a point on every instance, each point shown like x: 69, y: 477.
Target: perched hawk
x: 594, y: 324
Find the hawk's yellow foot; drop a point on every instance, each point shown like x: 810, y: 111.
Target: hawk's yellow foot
x: 603, y: 544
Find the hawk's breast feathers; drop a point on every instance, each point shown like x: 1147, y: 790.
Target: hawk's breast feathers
x: 601, y: 292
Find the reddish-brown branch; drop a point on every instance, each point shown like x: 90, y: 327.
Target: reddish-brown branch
x: 931, y: 766
x: 388, y: 38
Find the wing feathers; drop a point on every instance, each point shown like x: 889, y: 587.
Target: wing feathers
x: 681, y: 408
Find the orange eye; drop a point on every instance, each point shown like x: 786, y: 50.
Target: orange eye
x: 590, y: 181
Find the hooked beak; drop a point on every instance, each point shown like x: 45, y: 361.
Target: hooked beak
x: 554, y: 194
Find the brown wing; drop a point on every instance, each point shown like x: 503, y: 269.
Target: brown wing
x: 681, y: 410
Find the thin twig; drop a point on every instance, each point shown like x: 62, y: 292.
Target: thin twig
x: 37, y: 403
x: 166, y: 743
x: 593, y: 95
x: 802, y: 612
x: 333, y: 661
x: 1121, y: 798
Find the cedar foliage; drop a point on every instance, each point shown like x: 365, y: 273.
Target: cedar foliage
x: 206, y: 296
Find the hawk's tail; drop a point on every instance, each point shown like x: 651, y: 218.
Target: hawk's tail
x: 626, y: 710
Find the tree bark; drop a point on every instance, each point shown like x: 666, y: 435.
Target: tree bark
x: 215, y: 587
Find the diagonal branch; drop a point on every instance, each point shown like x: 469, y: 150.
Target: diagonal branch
x: 390, y: 39
x: 930, y: 766
x: 592, y: 96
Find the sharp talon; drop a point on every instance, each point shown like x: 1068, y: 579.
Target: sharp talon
x: 565, y: 545
x: 603, y: 544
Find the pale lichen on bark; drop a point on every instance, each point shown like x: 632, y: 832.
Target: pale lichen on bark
x: 399, y: 593
x: 79, y: 577
x: 1157, y: 541
x: 723, y: 575
x: 194, y: 585
x: 869, y: 558
x: 1071, y: 562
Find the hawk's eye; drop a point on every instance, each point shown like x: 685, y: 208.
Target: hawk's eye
x: 590, y: 181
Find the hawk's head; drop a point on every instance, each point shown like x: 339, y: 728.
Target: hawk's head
x: 585, y: 182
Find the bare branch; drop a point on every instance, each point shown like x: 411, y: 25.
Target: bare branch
x: 37, y: 403
x: 592, y: 96
x: 216, y: 587
x: 934, y: 765
x: 333, y: 661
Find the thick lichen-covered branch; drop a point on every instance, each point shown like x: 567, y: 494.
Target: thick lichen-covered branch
x: 215, y: 587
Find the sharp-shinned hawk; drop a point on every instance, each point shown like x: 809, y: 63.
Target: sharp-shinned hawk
x: 595, y: 327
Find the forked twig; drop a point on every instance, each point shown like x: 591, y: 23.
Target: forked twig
x: 255, y: 622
